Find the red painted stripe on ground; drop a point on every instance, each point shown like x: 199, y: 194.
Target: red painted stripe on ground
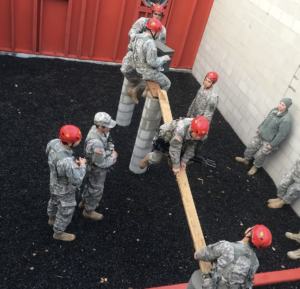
x: 261, y: 279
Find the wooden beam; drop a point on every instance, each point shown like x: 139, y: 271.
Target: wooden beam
x: 182, y: 180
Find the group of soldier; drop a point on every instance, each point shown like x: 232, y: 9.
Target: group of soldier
x: 233, y: 264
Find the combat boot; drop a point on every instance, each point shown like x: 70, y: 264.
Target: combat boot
x: 242, y: 160
x: 144, y: 162
x: 252, y: 171
x: 170, y: 164
x: 294, y: 254
x: 133, y: 94
x: 64, y: 237
x: 51, y: 221
x: 144, y: 94
x: 276, y: 205
x: 82, y: 203
x: 292, y: 236
x: 274, y: 200
x: 92, y: 215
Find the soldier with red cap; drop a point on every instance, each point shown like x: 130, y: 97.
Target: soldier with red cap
x: 233, y: 263
x: 66, y: 174
x: 141, y: 62
x: 177, y: 139
x: 140, y: 25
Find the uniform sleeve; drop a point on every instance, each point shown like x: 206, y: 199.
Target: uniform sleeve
x: 75, y: 173
x: 222, y: 252
x: 107, y: 160
x: 192, y: 107
x: 176, y: 145
x: 210, y: 108
x: 150, y: 51
x: 253, y: 269
x: 138, y: 27
x: 163, y: 35
x: 189, y: 151
x: 284, y: 129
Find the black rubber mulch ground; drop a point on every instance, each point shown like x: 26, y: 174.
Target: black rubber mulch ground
x: 144, y: 239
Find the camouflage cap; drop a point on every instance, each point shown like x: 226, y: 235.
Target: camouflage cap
x: 104, y: 119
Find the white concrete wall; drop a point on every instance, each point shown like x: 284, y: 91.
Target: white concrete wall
x: 254, y: 45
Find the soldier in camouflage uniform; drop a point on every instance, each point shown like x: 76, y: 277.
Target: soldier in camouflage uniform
x: 66, y: 174
x: 154, y: 2
x: 140, y: 25
x: 101, y: 155
x: 272, y: 131
x: 142, y: 63
x: 178, y: 139
x: 233, y: 264
x: 289, y: 188
x: 205, y: 103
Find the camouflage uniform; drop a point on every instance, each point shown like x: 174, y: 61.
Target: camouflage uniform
x: 97, y: 169
x: 272, y: 131
x: 142, y: 62
x: 205, y: 103
x: 289, y: 187
x: 151, y: 2
x: 65, y: 177
x: 233, y: 266
x: 140, y: 26
x: 177, y: 133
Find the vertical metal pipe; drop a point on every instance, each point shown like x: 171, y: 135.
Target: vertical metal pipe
x: 150, y: 121
x: 126, y: 105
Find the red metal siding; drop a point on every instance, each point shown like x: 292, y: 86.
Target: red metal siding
x: 97, y: 29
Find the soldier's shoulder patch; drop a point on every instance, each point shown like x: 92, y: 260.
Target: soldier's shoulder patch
x: 154, y: 48
x: 99, y: 151
x: 141, y: 23
x: 178, y: 138
x: 75, y: 166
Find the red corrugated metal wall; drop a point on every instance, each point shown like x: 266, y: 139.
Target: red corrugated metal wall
x: 97, y: 29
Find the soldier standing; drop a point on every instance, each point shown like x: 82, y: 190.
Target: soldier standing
x: 177, y: 139
x: 272, y: 131
x: 289, y: 188
x: 140, y: 25
x: 143, y: 64
x: 66, y: 174
x: 101, y: 155
x: 233, y: 264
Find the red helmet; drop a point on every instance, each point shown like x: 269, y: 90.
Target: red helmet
x: 200, y: 126
x: 70, y: 134
x: 261, y: 236
x: 158, y: 8
x: 154, y: 24
x: 213, y: 76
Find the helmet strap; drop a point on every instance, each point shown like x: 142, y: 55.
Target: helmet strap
x: 153, y: 36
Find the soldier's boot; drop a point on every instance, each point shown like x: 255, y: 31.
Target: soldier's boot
x: 82, y: 203
x: 51, y: 221
x: 242, y: 160
x: 144, y: 94
x: 292, y: 236
x: 274, y: 200
x: 276, y: 205
x: 133, y: 94
x: 252, y: 171
x: 92, y: 215
x: 294, y: 254
x: 64, y: 237
x: 144, y: 162
x: 170, y: 164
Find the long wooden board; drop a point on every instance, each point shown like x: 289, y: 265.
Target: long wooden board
x: 182, y: 180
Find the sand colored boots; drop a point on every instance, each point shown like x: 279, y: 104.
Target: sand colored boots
x: 242, y: 160
x: 133, y: 94
x: 252, y: 171
x: 92, y: 215
x: 144, y: 162
x: 292, y: 236
x: 51, y: 222
x: 276, y: 205
x: 274, y: 200
x: 170, y: 164
x: 294, y: 254
x: 144, y: 94
x: 64, y: 237
x: 82, y: 203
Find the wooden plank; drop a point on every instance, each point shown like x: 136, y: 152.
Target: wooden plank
x: 182, y: 180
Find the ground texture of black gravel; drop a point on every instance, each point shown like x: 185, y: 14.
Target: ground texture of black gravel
x: 144, y: 239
